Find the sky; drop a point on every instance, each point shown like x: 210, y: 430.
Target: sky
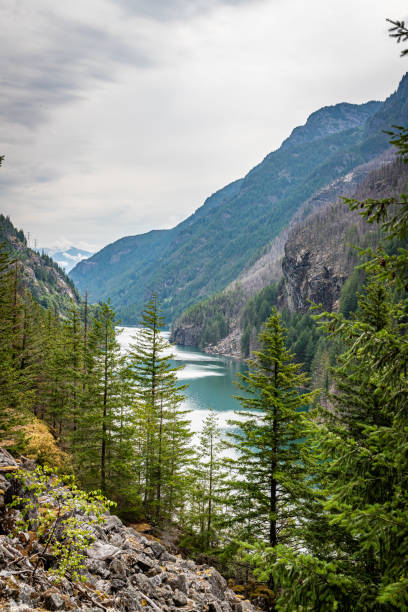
x: 122, y: 116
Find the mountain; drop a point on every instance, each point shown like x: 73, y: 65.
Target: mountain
x: 69, y: 258
x: 319, y: 254
x: 230, y: 232
x: 47, y: 282
x: 313, y: 264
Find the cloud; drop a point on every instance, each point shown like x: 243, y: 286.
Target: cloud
x: 120, y: 116
x: 175, y: 9
x: 48, y: 60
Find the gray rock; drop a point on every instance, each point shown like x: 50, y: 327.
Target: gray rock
x: 133, y: 533
x: 156, y: 580
x: 6, y: 460
x: 214, y: 606
x: 144, y: 562
x: 117, y: 568
x: 102, y: 551
x: 26, y: 593
x: 142, y: 583
x: 86, y: 609
x: 168, y: 557
x: 218, y: 584
x: 243, y: 606
x: 112, y: 523
x: 129, y: 600
x: 179, y: 598
x: 177, y: 581
x: 157, y: 548
x: 54, y: 601
x: 117, y: 584
x: 116, y: 540
x: 104, y: 586
x: 191, y: 565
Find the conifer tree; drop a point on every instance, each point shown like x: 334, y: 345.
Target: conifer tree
x: 12, y: 410
x: 207, y: 485
x: 162, y: 428
x: 270, y: 487
x: 361, y: 468
x: 103, y: 449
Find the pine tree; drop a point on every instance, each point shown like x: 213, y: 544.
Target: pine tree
x: 12, y: 409
x: 207, y: 486
x: 162, y: 429
x: 361, y: 468
x: 104, y: 427
x: 270, y: 487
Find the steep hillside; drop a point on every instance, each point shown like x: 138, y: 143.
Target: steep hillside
x: 191, y: 328
x: 317, y: 259
x: 121, y: 570
x: 318, y: 254
x: 48, y: 283
x: 211, y: 248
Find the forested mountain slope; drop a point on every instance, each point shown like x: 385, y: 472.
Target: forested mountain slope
x: 207, y: 251
x: 219, y: 321
x: 319, y: 256
x: 47, y: 282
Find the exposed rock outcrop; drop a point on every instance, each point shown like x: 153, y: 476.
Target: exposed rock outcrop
x: 319, y: 256
x: 125, y: 571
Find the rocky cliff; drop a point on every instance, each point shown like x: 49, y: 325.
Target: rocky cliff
x: 319, y: 254
x: 124, y: 571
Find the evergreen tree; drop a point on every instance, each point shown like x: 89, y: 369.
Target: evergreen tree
x: 104, y: 428
x: 270, y: 487
x: 162, y: 428
x: 207, y: 484
x: 12, y: 410
x: 360, y: 446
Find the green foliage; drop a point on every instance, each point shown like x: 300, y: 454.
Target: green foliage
x: 255, y: 313
x: 269, y: 486
x: 349, y: 293
x: 355, y: 544
x: 399, y: 32
x: 47, y: 282
x: 62, y: 515
x: 204, y: 515
x: 162, y: 429
x: 210, y: 317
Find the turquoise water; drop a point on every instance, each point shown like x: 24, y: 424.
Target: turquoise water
x: 210, y: 380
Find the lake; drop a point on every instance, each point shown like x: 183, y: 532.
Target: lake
x: 210, y: 380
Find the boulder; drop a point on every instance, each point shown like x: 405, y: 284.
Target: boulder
x: 102, y: 551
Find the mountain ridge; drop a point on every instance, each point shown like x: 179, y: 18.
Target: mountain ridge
x: 47, y: 281
x: 208, y: 250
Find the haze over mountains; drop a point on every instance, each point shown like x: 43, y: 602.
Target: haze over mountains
x: 67, y: 258
x: 233, y: 228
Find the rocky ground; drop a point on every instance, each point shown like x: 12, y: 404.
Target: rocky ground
x: 125, y: 571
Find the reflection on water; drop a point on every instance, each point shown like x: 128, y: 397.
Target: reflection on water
x: 210, y: 380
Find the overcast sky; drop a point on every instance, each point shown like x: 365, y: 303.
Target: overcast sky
x: 121, y: 116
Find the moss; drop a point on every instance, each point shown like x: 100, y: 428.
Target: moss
x: 42, y: 447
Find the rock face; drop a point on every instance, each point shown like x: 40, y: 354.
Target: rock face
x: 187, y: 335
x: 125, y: 572
x: 319, y: 254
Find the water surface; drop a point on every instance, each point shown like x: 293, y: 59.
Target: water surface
x: 210, y: 380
